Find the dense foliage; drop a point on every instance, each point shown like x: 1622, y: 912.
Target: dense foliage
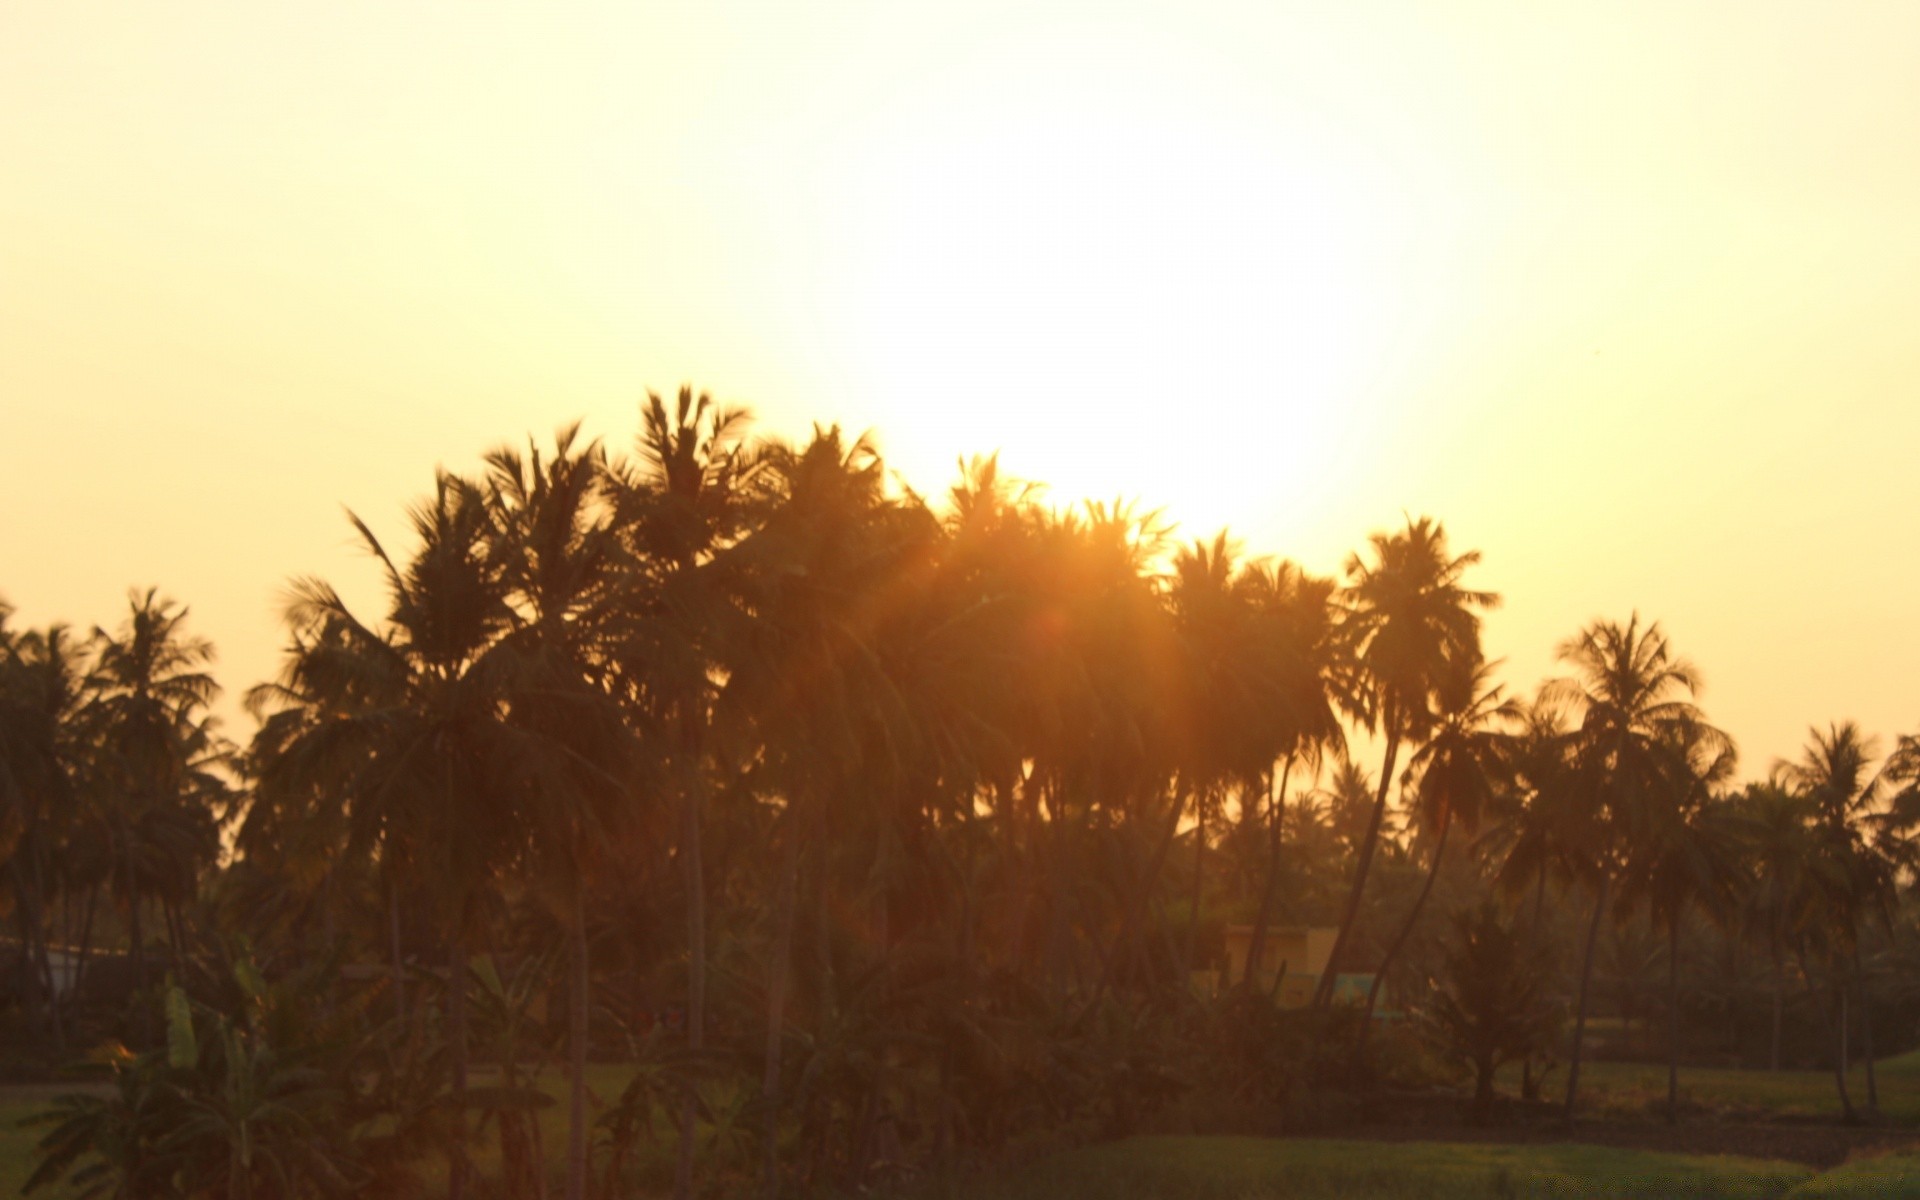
x: 875, y: 834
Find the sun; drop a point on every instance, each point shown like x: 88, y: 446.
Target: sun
x: 1124, y: 280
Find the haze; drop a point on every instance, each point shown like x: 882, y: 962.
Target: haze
x: 1625, y: 295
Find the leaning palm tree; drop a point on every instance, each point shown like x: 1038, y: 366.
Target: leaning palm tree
x: 1456, y: 775
x: 1626, y: 763
x: 1412, y: 626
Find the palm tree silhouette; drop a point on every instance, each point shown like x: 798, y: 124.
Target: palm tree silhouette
x: 1410, y: 625
x: 1628, y: 763
x: 1456, y: 775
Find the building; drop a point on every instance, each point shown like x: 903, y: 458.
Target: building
x: 1293, y: 956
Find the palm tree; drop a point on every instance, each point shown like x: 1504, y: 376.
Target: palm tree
x: 1686, y: 858
x: 1853, y: 873
x: 1774, y: 825
x: 1456, y: 775
x: 691, y: 497
x: 1411, y: 626
x: 559, y: 559
x: 826, y: 715
x: 1297, y: 619
x: 417, y: 721
x: 42, y: 756
x: 148, y: 700
x: 1627, y: 762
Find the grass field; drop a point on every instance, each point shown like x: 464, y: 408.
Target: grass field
x: 1637, y: 1089
x: 1208, y: 1168
x: 1326, y: 1169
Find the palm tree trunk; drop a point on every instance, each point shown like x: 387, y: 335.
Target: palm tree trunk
x: 1269, y: 891
x: 1866, y: 1032
x: 696, y: 887
x: 393, y: 948
x: 1580, y: 1006
x: 1399, y: 941
x: 577, y: 1018
x: 30, y: 974
x: 1323, y: 992
x: 1839, y: 1020
x: 779, y: 972
x: 86, y: 942
x: 1673, y: 1017
x: 1199, y: 872
x: 457, y: 1055
x: 1779, y: 1006
x: 135, y: 939
x: 1842, y: 1054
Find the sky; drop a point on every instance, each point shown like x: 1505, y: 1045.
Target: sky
x: 1627, y: 295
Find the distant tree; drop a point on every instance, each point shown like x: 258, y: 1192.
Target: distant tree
x: 1852, y: 874
x: 1626, y: 766
x: 1493, y: 1004
x: 149, y: 696
x: 1686, y: 859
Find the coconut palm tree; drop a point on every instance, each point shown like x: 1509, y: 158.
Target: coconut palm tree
x: 1775, y: 825
x: 1853, y: 872
x: 1295, y: 609
x: 691, y: 496
x: 417, y: 721
x: 1411, y: 626
x: 806, y: 676
x: 1627, y: 761
x: 1687, y: 858
x: 1455, y: 777
x: 560, y: 564
x: 148, y: 701
x: 43, y: 754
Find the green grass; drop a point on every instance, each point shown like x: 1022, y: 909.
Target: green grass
x: 1628, y: 1089
x: 1259, y: 1169
x: 1887, y: 1175
x: 1195, y: 1168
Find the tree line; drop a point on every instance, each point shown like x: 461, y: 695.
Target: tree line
x: 873, y: 832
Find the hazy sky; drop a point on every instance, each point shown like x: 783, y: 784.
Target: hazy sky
x: 1628, y: 295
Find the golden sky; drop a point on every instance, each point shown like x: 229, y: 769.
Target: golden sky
x: 1628, y: 295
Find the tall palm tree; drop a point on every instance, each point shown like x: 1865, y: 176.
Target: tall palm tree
x: 1627, y: 763
x: 558, y: 551
x: 1775, y: 827
x: 1296, y: 611
x: 418, y: 712
x: 1854, y: 873
x: 149, y: 696
x: 691, y: 497
x: 1686, y: 859
x: 806, y: 675
x: 1411, y: 626
x: 42, y: 757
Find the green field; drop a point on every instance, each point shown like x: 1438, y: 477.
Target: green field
x: 1637, y: 1089
x: 1208, y: 1168
x: 1325, y: 1169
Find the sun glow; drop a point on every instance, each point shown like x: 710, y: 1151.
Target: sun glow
x: 1126, y: 278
